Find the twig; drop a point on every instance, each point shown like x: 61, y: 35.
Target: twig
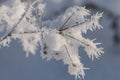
x: 75, y: 25
x: 77, y: 39
x: 41, y: 23
x: 33, y: 32
x: 79, y: 24
x: 24, y: 14
x: 67, y: 50
x: 62, y: 27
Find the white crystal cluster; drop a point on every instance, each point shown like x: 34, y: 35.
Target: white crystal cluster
x: 59, y: 38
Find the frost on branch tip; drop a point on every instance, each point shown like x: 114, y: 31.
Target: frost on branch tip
x: 59, y: 38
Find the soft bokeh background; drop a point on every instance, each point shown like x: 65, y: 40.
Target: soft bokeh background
x: 15, y: 66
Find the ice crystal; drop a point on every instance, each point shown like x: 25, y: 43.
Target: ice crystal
x: 59, y: 38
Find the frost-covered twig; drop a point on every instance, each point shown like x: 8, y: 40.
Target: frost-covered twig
x: 16, y: 25
x: 68, y: 53
x: 59, y: 38
x: 64, y: 25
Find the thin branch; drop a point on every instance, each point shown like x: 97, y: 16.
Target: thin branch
x: 16, y: 25
x: 62, y: 27
x: 41, y: 22
x: 75, y: 25
x: 79, y: 24
x: 77, y: 39
x: 33, y: 32
x: 68, y: 53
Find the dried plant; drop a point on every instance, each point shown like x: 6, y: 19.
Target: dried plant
x: 59, y: 38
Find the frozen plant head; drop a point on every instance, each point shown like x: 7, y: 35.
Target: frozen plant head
x: 59, y: 38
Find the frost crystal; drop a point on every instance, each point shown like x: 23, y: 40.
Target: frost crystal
x: 59, y: 38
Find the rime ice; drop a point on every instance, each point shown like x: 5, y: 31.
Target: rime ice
x: 59, y: 38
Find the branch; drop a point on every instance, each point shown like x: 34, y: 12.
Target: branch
x: 68, y: 53
x: 77, y: 39
x: 66, y: 21
x: 75, y: 25
x: 16, y: 25
x: 41, y: 25
x: 32, y: 32
x: 80, y: 24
